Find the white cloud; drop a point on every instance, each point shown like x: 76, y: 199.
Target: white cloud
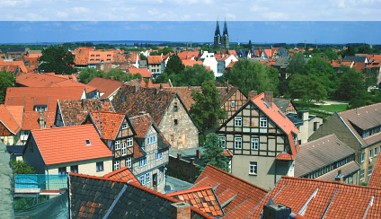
x: 191, y: 10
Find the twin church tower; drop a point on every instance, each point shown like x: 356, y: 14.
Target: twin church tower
x: 221, y: 42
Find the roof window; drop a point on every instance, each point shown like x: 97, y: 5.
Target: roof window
x: 88, y: 142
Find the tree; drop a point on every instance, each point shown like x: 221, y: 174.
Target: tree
x: 192, y: 76
x: 351, y: 84
x: 249, y: 75
x: 56, y: 59
x: 21, y: 167
x: 7, y: 79
x: 87, y: 74
x: 207, y: 111
x: 296, y: 64
x: 213, y: 153
x: 119, y: 75
x: 307, y: 88
x: 174, y: 65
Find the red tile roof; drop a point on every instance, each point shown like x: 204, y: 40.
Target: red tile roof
x: 55, y: 148
x: 154, y: 60
x: 14, y: 66
x: 141, y: 124
x: 188, y: 55
x: 202, y: 198
x: 30, y: 120
x: 105, y: 86
x: 243, y: 196
x: 123, y: 174
x: 326, y: 199
x: 109, y: 123
x: 142, y: 71
x: 31, y: 96
x: 8, y: 120
x: 375, y: 179
x: 279, y: 119
x: 191, y: 63
x: 74, y: 112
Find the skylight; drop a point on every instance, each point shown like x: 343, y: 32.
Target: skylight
x: 88, y: 142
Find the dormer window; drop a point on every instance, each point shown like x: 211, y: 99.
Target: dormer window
x: 40, y: 107
x: 87, y: 142
x: 124, y: 125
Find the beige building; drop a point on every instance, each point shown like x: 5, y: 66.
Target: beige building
x: 263, y: 141
x: 68, y: 149
x: 360, y: 129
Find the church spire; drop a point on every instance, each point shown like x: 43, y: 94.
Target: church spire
x: 225, y: 29
x: 217, y: 32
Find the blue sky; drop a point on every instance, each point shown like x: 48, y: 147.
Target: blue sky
x: 291, y: 21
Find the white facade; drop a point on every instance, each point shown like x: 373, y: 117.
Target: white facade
x: 209, y: 60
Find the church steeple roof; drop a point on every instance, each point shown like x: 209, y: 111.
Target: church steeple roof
x: 225, y: 29
x: 217, y: 32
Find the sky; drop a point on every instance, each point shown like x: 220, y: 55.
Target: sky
x: 262, y: 21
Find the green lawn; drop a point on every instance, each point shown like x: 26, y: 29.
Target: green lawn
x: 331, y: 108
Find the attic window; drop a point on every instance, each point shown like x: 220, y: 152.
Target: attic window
x: 88, y: 142
x: 175, y: 107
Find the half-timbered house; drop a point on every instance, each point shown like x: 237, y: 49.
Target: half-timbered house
x: 263, y: 141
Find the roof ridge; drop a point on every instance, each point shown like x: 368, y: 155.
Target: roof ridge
x: 115, y: 172
x: 235, y: 177
x: 61, y: 127
x: 146, y: 189
x: 330, y: 182
x: 181, y: 192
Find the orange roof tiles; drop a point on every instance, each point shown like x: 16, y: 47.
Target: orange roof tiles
x: 30, y: 120
x: 375, y: 179
x: 243, y: 196
x: 141, y: 124
x: 31, y: 96
x: 202, y: 198
x: 109, y: 123
x: 188, y: 55
x: 106, y: 86
x: 277, y: 116
x: 8, y: 120
x: 14, y: 66
x: 154, y: 60
x: 326, y: 199
x: 191, y: 63
x: 123, y: 174
x: 142, y: 71
x: 55, y: 148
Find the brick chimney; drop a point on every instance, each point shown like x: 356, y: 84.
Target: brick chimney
x: 276, y: 211
x: 269, y: 97
x: 41, y: 119
x: 181, y: 210
x: 339, y: 177
x: 252, y: 94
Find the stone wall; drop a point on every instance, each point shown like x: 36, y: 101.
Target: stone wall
x: 183, y: 169
x: 6, y: 176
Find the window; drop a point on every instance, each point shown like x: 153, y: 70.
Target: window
x: 116, y: 165
x: 263, y: 122
x: 62, y: 170
x: 253, y: 168
x: 370, y: 170
x: 99, y: 166
x: 370, y: 153
x: 361, y: 174
x: 159, y: 155
x: 223, y: 141
x: 175, y: 107
x: 142, y: 180
x: 362, y: 157
x: 232, y: 104
x: 151, y: 139
x: 148, y: 178
x: 74, y: 169
x: 128, y: 162
x: 254, y: 143
x: 124, y: 144
x: 176, y: 122
x: 124, y: 125
x: 130, y: 142
x: 376, y: 151
x: 117, y: 145
x: 238, y: 142
x: 238, y: 121
x: 143, y: 162
x: 88, y: 142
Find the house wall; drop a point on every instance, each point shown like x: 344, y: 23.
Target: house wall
x: 230, y: 108
x: 184, y: 135
x: 7, y: 137
x: 32, y: 156
x: 272, y: 141
x: 84, y: 167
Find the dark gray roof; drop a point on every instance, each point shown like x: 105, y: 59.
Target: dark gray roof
x: 143, y: 63
x: 281, y: 103
x: 319, y: 153
x: 346, y: 170
x: 355, y: 58
x: 93, y: 197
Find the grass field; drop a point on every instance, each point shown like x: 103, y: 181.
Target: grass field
x: 331, y: 108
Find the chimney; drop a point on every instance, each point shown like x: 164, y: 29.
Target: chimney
x: 181, y: 210
x: 276, y: 211
x: 157, y: 90
x: 198, y: 154
x: 192, y: 160
x: 252, y: 94
x: 136, y: 88
x: 269, y: 97
x: 41, y: 119
x: 339, y: 177
x: 178, y: 156
x: 83, y: 105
